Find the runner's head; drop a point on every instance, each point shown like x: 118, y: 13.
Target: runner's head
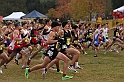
x: 65, y: 25
x: 55, y: 26
x: 76, y: 28
x: 17, y: 25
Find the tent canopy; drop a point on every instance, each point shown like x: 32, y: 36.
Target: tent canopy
x: 14, y: 16
x: 121, y: 9
x: 34, y: 14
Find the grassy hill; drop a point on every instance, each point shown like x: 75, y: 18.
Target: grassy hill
x: 104, y: 68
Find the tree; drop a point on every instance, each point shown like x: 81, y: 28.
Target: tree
x: 109, y: 6
x: 117, y: 3
x: 78, y: 8
x: 51, y: 13
x: 81, y: 8
x: 62, y: 9
x: 9, y: 6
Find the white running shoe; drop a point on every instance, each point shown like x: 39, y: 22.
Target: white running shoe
x: 116, y: 50
x: 24, y: 67
x: 104, y: 51
x: 52, y: 68
x: 72, y: 69
x: 1, y: 71
x: 78, y: 67
x: 43, y: 72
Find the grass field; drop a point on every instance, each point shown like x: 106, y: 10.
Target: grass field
x: 104, y: 68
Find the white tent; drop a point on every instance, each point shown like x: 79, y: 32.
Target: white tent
x: 14, y: 16
x: 121, y: 9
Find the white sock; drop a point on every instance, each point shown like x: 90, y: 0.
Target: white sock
x: 76, y: 64
x: 29, y: 58
x: 5, y: 64
x: 17, y: 56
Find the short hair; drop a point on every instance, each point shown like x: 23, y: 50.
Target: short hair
x: 117, y: 23
x: 24, y: 23
x: 47, y: 21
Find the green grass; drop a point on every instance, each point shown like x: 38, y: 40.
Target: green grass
x: 104, y: 68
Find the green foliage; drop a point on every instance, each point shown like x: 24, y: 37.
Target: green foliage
x: 26, y: 6
x: 117, y: 3
x: 9, y: 6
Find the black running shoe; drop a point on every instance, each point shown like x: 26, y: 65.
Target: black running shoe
x: 95, y: 55
x: 16, y: 61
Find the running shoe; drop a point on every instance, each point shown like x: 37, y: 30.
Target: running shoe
x: 110, y: 50
x: 26, y: 73
x: 1, y: 71
x: 67, y: 77
x: 78, y: 67
x: 116, y: 50
x: 122, y: 49
x: 72, y: 69
x: 44, y: 72
x: 16, y: 61
x: 85, y: 53
x: 95, y: 55
x: 5, y: 65
x: 60, y: 72
x: 104, y: 51
x: 52, y: 68
x: 24, y: 67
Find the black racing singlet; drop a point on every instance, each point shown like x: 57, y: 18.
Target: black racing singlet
x: 75, y: 38
x: 52, y: 51
x: 67, y: 37
x: 116, y: 33
x: 89, y: 32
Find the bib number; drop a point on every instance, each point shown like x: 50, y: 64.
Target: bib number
x: 50, y: 53
x: 0, y: 47
x: 90, y: 34
x: 57, y: 44
x: 64, y: 46
x: 68, y: 41
x: 117, y: 33
x: 106, y: 35
x: 75, y: 42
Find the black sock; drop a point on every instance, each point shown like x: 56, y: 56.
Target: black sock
x: 58, y: 70
x: 45, y: 69
x: 29, y: 70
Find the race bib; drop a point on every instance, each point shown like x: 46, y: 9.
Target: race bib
x: 8, y: 35
x: 68, y: 41
x: 117, y: 33
x: 64, y: 46
x: 106, y: 35
x: 90, y: 34
x: 50, y: 53
x: 0, y: 47
x: 57, y: 44
x: 75, y: 42
x: 26, y: 39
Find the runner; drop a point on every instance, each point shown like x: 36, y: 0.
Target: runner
x: 116, y: 37
x: 3, y: 55
x: 97, y: 38
x: 68, y: 49
x: 52, y: 55
x: 15, y: 47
